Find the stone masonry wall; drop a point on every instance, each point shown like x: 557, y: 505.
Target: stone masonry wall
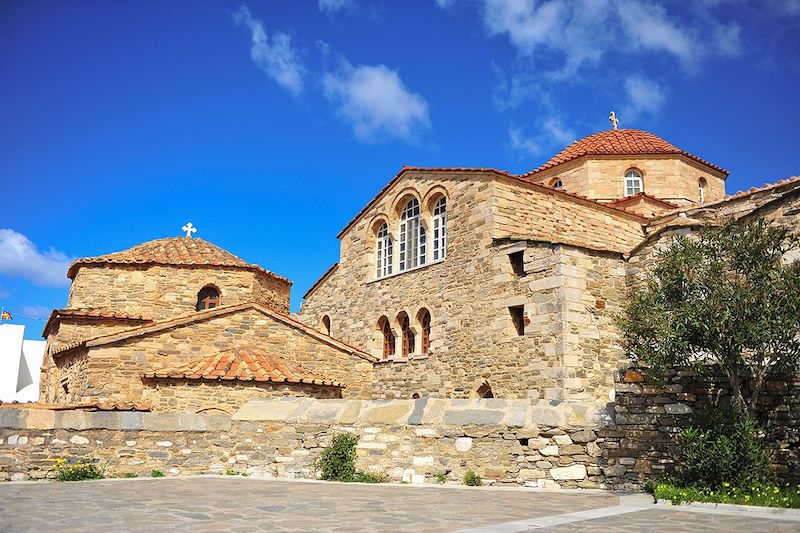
x: 649, y: 419
x: 469, y: 293
x: 521, y: 442
x: 161, y: 292
x: 112, y: 373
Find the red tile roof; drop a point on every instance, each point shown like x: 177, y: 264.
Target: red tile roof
x: 243, y: 364
x: 618, y: 142
x: 178, y: 251
x: 644, y: 196
x: 107, y: 314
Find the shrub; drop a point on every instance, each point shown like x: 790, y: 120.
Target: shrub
x: 472, y: 479
x: 156, y: 473
x: 78, y: 471
x: 338, y: 459
x: 441, y: 477
x: 231, y: 472
x: 722, y: 447
x: 369, y: 477
x: 761, y: 494
x: 130, y: 475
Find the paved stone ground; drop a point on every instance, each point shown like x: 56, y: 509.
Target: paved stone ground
x: 240, y: 504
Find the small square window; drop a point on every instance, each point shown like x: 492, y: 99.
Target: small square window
x: 517, y: 263
x: 518, y: 318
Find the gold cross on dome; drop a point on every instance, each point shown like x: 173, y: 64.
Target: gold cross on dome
x: 189, y: 229
x: 614, y: 120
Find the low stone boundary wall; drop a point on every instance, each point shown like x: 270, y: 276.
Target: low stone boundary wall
x: 648, y: 420
x: 522, y: 442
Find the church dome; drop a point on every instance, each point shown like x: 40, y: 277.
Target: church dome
x: 174, y: 251
x: 624, y: 142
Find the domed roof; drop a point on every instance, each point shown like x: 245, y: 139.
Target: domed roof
x: 176, y: 251
x: 619, y: 142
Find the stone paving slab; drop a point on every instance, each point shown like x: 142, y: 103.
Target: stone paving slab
x: 246, y: 504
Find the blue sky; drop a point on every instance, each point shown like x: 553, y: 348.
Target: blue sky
x: 270, y: 124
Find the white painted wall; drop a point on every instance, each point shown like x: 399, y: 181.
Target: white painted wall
x: 20, y: 365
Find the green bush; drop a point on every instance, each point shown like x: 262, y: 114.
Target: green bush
x: 441, y: 478
x: 130, y: 475
x: 369, y: 477
x: 78, y: 471
x: 472, y: 479
x: 338, y: 459
x: 757, y: 493
x: 156, y: 473
x: 721, y: 447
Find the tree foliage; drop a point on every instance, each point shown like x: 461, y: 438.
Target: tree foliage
x: 728, y: 297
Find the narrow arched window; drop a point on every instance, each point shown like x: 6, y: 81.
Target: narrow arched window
x: 439, y: 224
x: 408, y: 335
x: 383, y: 252
x: 633, y: 182
x: 207, y: 298
x: 701, y: 185
x: 326, y: 324
x: 412, y: 237
x: 388, y: 337
x: 425, y: 326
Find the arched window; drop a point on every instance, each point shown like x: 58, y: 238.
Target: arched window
x: 326, y: 324
x: 633, y: 182
x: 440, y: 229
x: 485, y: 391
x: 556, y: 183
x: 408, y: 334
x: 425, y: 323
x: 207, y: 298
x: 388, y: 337
x: 701, y: 185
x: 415, y: 396
x: 383, y: 253
x: 412, y: 237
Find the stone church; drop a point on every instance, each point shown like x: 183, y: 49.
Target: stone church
x: 451, y: 283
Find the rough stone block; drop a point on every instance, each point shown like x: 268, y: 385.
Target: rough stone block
x: 463, y: 444
x: 38, y: 418
x: 550, y: 451
x: 677, y: 409
x: 568, y: 472
x: 586, y: 435
x: 10, y: 418
x: 473, y: 416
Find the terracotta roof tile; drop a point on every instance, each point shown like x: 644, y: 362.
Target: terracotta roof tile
x: 86, y: 313
x: 243, y: 364
x: 643, y: 195
x: 178, y: 251
x: 618, y: 142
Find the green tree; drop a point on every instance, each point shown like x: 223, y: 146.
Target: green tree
x: 729, y: 297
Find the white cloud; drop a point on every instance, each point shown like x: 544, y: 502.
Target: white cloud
x: 551, y: 135
x: 582, y: 32
x: 20, y: 258
x: 332, y: 6
x: 522, y: 143
x: 643, y: 97
x: 274, y: 55
x: 375, y: 102
x: 445, y: 4
x: 34, y: 311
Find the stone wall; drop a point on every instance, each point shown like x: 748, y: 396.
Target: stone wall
x: 672, y: 178
x: 536, y: 443
x: 112, y: 372
x: 649, y: 419
x: 568, y: 292
x: 161, y: 292
x: 198, y: 396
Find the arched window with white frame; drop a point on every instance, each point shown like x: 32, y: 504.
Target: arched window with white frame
x: 383, y: 252
x: 412, y: 237
x: 701, y: 185
x: 439, y: 225
x: 633, y: 182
